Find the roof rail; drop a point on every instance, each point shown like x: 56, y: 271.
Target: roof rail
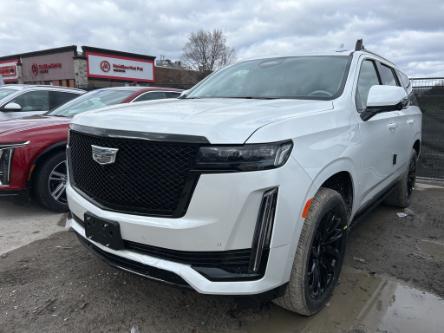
x: 359, y: 46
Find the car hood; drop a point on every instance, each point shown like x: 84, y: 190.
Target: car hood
x: 26, y: 126
x: 220, y: 120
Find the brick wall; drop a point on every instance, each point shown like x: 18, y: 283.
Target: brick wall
x: 176, y: 78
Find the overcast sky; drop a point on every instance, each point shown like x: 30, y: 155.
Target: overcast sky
x: 408, y: 32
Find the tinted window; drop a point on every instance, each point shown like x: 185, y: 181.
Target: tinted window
x: 172, y: 94
x: 37, y: 100
x: 57, y: 98
x: 92, y: 100
x: 313, y: 77
x: 149, y: 96
x: 387, y: 76
x: 405, y: 81
x: 368, y: 77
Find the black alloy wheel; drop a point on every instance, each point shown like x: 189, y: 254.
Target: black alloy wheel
x: 326, y: 254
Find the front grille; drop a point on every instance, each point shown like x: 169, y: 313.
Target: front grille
x: 147, y: 178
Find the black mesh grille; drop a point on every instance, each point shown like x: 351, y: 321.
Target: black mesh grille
x: 151, y: 178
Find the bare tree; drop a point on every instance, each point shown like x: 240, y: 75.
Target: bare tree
x: 207, y: 51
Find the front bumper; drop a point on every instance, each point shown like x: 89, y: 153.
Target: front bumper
x: 222, y: 216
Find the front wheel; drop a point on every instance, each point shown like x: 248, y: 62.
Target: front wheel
x: 319, y: 255
x: 50, y: 183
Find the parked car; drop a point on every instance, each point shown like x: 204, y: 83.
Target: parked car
x: 21, y: 100
x: 249, y: 182
x: 32, y: 149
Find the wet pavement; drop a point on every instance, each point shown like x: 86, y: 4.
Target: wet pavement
x: 364, y: 303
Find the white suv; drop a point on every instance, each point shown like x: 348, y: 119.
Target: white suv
x: 248, y: 183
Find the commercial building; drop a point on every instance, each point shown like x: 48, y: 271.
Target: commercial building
x: 91, y: 68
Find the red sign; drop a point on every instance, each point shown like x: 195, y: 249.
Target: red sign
x: 6, y: 71
x: 110, y: 66
x: 44, y: 68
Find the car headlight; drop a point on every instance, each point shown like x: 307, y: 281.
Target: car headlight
x: 6, y: 152
x: 247, y: 157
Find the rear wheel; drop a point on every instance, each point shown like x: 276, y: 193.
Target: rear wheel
x: 402, y: 192
x: 50, y: 183
x: 319, y: 255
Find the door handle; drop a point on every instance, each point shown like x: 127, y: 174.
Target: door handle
x: 392, y: 126
x: 410, y: 122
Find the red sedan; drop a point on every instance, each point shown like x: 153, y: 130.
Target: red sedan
x: 32, y: 149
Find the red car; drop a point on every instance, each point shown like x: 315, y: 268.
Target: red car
x: 32, y: 149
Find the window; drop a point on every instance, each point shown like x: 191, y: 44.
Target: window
x: 92, y: 100
x: 57, y: 98
x: 149, y: 96
x: 405, y: 81
x: 368, y: 77
x: 37, y: 100
x: 387, y: 76
x: 6, y: 92
x: 307, y: 77
x: 170, y: 94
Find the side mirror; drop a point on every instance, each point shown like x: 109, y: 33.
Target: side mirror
x: 10, y: 107
x: 384, y: 99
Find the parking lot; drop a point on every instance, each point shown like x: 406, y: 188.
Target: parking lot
x: 392, y: 280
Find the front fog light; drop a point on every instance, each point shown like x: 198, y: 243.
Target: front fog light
x: 5, y: 165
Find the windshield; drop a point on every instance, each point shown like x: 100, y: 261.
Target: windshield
x: 6, y: 92
x: 310, y: 77
x: 90, y: 101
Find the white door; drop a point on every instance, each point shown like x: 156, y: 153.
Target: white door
x: 377, y: 139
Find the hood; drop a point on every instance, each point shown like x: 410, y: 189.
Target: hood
x: 26, y: 126
x: 220, y: 120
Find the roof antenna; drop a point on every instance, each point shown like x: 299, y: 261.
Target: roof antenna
x: 359, y: 46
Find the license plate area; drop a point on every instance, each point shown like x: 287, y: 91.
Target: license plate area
x: 103, y: 231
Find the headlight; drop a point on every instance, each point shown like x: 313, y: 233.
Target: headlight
x: 6, y: 152
x: 248, y: 157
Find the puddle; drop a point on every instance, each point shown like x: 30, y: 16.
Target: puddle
x: 364, y: 303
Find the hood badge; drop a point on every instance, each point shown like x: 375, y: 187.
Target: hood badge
x: 104, y: 155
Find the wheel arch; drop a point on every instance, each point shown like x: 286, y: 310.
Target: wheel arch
x: 339, y: 176
x: 43, y: 156
x: 417, y: 147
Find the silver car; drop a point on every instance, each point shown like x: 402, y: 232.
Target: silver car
x: 20, y: 100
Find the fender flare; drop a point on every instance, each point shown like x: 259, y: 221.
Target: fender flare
x: 334, y: 167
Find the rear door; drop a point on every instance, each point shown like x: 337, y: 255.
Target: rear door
x: 399, y: 137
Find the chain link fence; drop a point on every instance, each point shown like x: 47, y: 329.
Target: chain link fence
x: 430, y: 95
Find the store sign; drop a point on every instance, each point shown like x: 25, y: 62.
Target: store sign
x: 44, y: 68
x: 115, y: 67
x: 8, y: 69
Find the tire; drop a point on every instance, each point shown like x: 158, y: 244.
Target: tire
x: 300, y: 295
x: 46, y: 190
x: 402, y: 192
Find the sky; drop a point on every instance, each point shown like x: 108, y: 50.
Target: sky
x: 408, y: 32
